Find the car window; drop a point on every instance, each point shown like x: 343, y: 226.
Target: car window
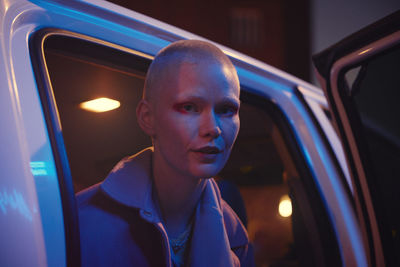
x: 70, y: 69
x: 81, y: 72
x: 265, y: 181
x: 373, y: 89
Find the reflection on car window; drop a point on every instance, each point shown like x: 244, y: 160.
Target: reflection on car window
x: 376, y: 95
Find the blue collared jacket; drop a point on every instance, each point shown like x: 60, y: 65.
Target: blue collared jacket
x: 120, y: 225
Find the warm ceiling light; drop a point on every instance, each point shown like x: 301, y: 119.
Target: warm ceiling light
x: 285, y: 206
x: 102, y: 104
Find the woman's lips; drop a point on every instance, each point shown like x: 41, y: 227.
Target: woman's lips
x: 208, y: 150
x: 207, y: 154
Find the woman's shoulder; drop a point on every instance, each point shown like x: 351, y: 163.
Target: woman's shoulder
x: 93, y: 203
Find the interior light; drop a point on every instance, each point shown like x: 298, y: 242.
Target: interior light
x: 102, y: 104
x: 285, y: 206
x: 364, y: 51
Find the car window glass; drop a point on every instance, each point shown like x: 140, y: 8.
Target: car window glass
x: 375, y: 94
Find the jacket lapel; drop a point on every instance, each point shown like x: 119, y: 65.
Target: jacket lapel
x: 210, y: 244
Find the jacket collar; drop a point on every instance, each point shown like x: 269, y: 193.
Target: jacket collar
x: 130, y: 184
x: 210, y: 243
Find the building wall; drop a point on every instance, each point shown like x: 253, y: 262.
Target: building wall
x: 273, y: 31
x: 282, y: 33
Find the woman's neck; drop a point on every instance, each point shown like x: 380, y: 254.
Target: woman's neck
x: 178, y: 197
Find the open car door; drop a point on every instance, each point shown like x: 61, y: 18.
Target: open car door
x: 361, y: 79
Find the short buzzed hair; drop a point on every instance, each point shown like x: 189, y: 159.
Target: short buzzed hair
x: 177, y: 53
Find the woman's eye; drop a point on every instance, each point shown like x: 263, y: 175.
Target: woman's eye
x: 187, y: 108
x: 227, y: 110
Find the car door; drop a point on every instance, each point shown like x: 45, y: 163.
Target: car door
x: 361, y: 79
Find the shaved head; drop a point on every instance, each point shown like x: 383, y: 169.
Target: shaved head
x: 170, y: 60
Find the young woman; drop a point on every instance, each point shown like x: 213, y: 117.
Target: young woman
x: 161, y: 207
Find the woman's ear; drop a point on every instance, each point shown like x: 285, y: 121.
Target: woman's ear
x: 145, y: 117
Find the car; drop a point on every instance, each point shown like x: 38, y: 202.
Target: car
x: 326, y: 160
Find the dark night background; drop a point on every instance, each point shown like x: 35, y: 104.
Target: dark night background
x: 282, y: 33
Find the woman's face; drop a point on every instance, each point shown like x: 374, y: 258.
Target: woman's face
x: 196, y: 119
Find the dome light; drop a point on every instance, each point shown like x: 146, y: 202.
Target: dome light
x: 102, y: 104
x: 285, y: 206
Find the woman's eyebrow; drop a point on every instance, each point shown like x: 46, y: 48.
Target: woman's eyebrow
x: 230, y: 101
x: 190, y: 98
x: 199, y: 98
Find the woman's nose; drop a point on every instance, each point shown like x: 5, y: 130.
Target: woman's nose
x: 210, y: 126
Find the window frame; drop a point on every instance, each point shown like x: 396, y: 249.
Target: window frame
x: 53, y: 123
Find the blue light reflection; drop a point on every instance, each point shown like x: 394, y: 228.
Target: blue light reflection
x: 14, y: 201
x: 38, y: 168
x: 95, y: 16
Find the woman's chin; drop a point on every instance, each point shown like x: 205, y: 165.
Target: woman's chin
x: 206, y: 171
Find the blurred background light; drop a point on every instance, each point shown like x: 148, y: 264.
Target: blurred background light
x: 285, y: 206
x: 101, y: 104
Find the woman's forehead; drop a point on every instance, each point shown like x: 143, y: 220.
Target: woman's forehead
x: 186, y: 73
x: 206, y: 84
